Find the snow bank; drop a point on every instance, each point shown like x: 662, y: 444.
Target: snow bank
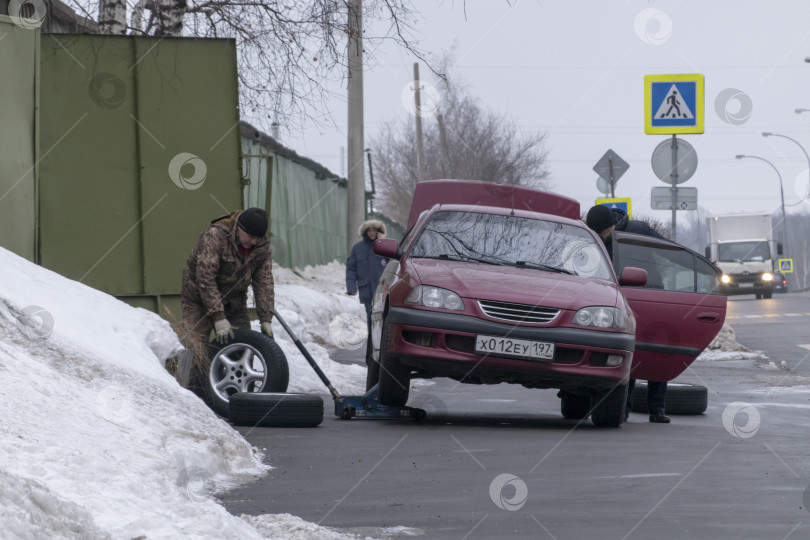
x: 315, y: 306
x: 97, y: 440
x: 726, y: 347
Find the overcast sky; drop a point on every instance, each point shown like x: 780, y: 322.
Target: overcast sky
x: 575, y: 70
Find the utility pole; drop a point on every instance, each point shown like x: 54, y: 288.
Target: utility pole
x: 356, y: 174
x: 443, y: 142
x: 420, y: 149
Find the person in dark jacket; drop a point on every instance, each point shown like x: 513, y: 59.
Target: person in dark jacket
x: 603, y: 221
x: 364, y: 267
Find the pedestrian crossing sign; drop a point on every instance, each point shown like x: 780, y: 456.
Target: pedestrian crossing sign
x: 785, y: 266
x: 673, y: 104
x: 622, y: 204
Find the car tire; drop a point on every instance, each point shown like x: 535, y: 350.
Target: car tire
x: 573, y: 406
x: 758, y: 296
x: 608, y: 407
x: 395, y: 379
x: 275, y: 409
x: 767, y: 295
x: 271, y: 372
x: 682, y: 399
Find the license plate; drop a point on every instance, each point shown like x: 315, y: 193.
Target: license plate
x: 746, y: 285
x: 523, y: 348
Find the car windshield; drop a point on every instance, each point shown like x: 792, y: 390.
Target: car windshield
x: 513, y: 241
x: 743, y: 251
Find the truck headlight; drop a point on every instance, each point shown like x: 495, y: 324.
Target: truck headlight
x: 767, y: 276
x: 725, y: 279
x: 601, y: 317
x: 434, y: 297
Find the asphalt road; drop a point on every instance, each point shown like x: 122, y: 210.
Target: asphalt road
x: 777, y: 326
x: 716, y: 475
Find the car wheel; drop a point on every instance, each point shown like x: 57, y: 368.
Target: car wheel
x: 250, y: 362
x: 759, y: 296
x: 574, y: 407
x: 609, y: 405
x: 767, y: 295
x: 275, y: 409
x: 395, y: 379
x: 682, y: 398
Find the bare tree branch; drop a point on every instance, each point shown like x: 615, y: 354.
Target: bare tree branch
x: 462, y: 140
x: 289, y: 51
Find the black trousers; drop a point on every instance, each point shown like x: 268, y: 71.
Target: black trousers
x: 656, y: 396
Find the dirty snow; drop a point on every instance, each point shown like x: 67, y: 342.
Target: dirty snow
x: 97, y: 440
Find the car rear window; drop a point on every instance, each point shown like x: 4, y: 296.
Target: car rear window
x: 513, y: 241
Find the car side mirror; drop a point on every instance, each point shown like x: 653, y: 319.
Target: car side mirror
x: 633, y: 277
x: 387, y: 247
x: 779, y: 248
x: 708, y: 252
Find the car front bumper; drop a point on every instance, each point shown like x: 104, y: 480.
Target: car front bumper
x: 440, y: 344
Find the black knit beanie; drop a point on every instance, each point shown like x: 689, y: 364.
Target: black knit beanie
x: 599, y: 218
x: 253, y: 221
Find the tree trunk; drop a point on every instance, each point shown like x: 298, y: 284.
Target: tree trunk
x: 170, y: 17
x: 112, y: 17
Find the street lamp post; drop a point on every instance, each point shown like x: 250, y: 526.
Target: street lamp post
x: 769, y: 134
x: 781, y: 192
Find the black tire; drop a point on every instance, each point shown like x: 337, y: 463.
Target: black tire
x: 767, y: 295
x: 395, y: 379
x: 574, y: 407
x: 682, y: 398
x: 275, y: 409
x: 265, y: 352
x: 608, y: 407
x: 758, y: 296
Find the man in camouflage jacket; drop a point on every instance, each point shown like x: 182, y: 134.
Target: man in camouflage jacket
x: 232, y: 254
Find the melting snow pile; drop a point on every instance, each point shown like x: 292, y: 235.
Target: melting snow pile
x: 97, y: 440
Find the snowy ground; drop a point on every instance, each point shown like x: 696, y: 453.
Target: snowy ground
x: 97, y: 440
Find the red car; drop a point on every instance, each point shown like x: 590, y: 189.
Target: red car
x: 499, y: 284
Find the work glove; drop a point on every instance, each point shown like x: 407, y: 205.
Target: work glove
x: 224, y: 331
x: 267, y: 329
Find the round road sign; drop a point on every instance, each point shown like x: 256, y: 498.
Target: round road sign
x: 686, y: 161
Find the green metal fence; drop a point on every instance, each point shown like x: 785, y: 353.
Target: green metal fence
x: 19, y: 86
x: 140, y: 145
x: 307, y: 203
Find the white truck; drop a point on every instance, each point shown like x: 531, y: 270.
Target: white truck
x: 742, y: 245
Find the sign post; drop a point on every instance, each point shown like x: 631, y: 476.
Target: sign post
x: 611, y: 167
x: 674, y: 104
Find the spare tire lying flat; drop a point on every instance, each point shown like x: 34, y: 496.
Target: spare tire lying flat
x: 682, y: 398
x: 275, y: 409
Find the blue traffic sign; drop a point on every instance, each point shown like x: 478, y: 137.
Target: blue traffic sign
x: 620, y: 203
x: 785, y: 266
x: 673, y: 104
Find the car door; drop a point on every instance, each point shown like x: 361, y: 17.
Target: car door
x: 678, y: 312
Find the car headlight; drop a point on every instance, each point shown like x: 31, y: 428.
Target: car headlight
x: 767, y: 276
x: 725, y: 279
x: 434, y: 297
x: 601, y: 317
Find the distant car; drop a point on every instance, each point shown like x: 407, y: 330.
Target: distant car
x: 779, y: 283
x: 507, y: 284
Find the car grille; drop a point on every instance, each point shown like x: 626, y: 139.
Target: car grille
x: 522, y: 313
